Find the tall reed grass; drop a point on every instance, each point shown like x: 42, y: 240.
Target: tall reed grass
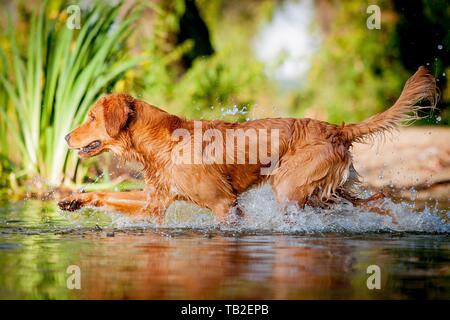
x: 51, y: 81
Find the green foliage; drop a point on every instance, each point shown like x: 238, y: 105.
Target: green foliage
x: 50, y: 75
x: 55, y: 78
x: 217, y: 82
x: 356, y: 73
x: 226, y: 79
x: 4, y: 147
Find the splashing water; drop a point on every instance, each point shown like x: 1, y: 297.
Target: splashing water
x: 262, y: 214
x: 233, y: 111
x: 304, y: 254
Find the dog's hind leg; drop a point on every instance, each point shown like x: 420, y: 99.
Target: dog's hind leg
x: 312, y: 172
x: 368, y: 203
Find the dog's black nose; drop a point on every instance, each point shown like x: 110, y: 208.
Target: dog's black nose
x: 67, y: 137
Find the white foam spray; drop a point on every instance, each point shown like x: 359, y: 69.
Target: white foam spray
x: 262, y: 213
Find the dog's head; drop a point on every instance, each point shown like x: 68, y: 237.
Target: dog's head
x: 107, y: 119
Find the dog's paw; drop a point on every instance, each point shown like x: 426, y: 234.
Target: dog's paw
x: 74, y: 202
x: 68, y: 204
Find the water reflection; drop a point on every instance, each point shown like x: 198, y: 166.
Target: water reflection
x: 37, y: 245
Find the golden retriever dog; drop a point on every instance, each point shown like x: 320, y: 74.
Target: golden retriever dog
x: 312, y: 163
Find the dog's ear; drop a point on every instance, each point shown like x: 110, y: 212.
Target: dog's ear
x: 117, y: 110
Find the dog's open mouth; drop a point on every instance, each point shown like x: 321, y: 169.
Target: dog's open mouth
x: 90, y: 148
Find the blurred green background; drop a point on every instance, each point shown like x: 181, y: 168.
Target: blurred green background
x: 228, y: 59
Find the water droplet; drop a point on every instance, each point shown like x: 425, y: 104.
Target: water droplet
x: 412, y: 193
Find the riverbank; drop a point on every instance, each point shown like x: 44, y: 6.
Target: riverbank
x: 410, y: 162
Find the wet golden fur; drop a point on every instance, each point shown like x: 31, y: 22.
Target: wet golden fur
x: 315, y: 163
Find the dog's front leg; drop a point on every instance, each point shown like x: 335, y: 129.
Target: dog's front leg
x: 157, y: 202
x: 131, y: 202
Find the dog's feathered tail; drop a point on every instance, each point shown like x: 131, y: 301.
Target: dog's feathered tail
x: 419, y: 88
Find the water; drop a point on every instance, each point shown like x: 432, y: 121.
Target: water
x: 306, y: 254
